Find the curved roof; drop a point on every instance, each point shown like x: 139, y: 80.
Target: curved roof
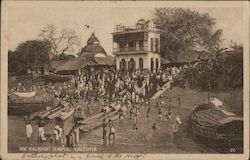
x: 93, y: 39
x: 92, y: 48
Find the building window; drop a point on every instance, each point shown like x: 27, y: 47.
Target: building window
x: 156, y: 45
x: 125, y: 46
x: 131, y: 65
x: 121, y: 46
x: 156, y: 64
x: 152, y: 45
x: 123, y: 65
x: 152, y: 65
x: 141, y: 45
x: 130, y: 46
x: 141, y: 64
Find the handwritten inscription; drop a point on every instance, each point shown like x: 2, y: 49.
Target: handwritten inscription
x: 52, y: 156
x: 43, y: 156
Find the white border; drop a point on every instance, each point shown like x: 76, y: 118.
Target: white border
x: 4, y: 61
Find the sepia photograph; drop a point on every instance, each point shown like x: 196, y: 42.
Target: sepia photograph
x: 113, y: 80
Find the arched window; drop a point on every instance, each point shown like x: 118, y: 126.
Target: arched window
x: 131, y: 65
x: 156, y: 45
x: 140, y: 64
x: 123, y: 65
x: 156, y: 64
x: 152, y: 65
x: 152, y: 45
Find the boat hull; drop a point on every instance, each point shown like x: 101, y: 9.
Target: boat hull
x: 65, y: 115
x: 25, y: 94
x: 215, y: 126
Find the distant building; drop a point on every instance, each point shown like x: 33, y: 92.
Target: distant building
x: 137, y: 48
x: 93, y: 48
x: 92, y: 54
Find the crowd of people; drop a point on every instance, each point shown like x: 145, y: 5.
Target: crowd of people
x: 110, y: 85
x: 106, y: 86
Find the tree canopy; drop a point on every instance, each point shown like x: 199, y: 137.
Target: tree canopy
x: 184, y: 30
x: 62, y: 41
x: 31, y: 54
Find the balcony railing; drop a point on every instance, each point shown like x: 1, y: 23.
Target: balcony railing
x: 129, y: 49
x: 118, y: 29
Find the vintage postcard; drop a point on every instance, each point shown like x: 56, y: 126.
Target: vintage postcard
x: 124, y: 80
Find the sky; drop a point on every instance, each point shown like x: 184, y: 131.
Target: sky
x: 26, y: 22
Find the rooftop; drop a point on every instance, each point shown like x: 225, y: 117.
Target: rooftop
x: 131, y: 29
x: 92, y: 48
x: 141, y: 25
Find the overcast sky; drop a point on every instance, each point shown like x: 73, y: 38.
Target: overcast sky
x: 25, y: 23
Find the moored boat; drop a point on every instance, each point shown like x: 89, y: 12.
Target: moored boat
x: 97, y: 120
x: 65, y: 113
x: 217, y: 125
x: 25, y: 94
x: 45, y: 113
x: 28, y: 102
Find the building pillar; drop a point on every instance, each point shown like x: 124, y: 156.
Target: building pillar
x: 117, y: 61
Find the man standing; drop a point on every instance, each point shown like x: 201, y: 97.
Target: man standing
x: 179, y: 99
x: 111, y: 133
x: 41, y: 133
x: 77, y: 134
x: 104, y: 133
x: 160, y: 114
x: 177, y: 123
x: 148, y: 111
x: 155, y: 127
x: 28, y: 127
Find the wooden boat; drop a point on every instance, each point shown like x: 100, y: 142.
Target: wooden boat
x: 216, y: 125
x: 52, y: 77
x: 25, y: 105
x: 36, y: 114
x: 65, y: 113
x: 93, y: 125
x: 97, y: 120
x: 56, y: 113
x: 45, y: 113
x: 25, y: 94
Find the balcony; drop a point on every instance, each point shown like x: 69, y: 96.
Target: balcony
x: 130, y: 49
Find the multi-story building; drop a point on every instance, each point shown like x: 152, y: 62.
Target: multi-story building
x: 137, y: 47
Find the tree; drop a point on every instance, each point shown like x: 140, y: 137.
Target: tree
x: 61, y: 41
x: 14, y: 66
x: 31, y: 54
x: 184, y: 30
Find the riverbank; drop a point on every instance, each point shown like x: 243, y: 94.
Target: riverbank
x: 143, y: 140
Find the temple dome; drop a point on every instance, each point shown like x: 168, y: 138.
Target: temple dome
x: 93, y: 48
